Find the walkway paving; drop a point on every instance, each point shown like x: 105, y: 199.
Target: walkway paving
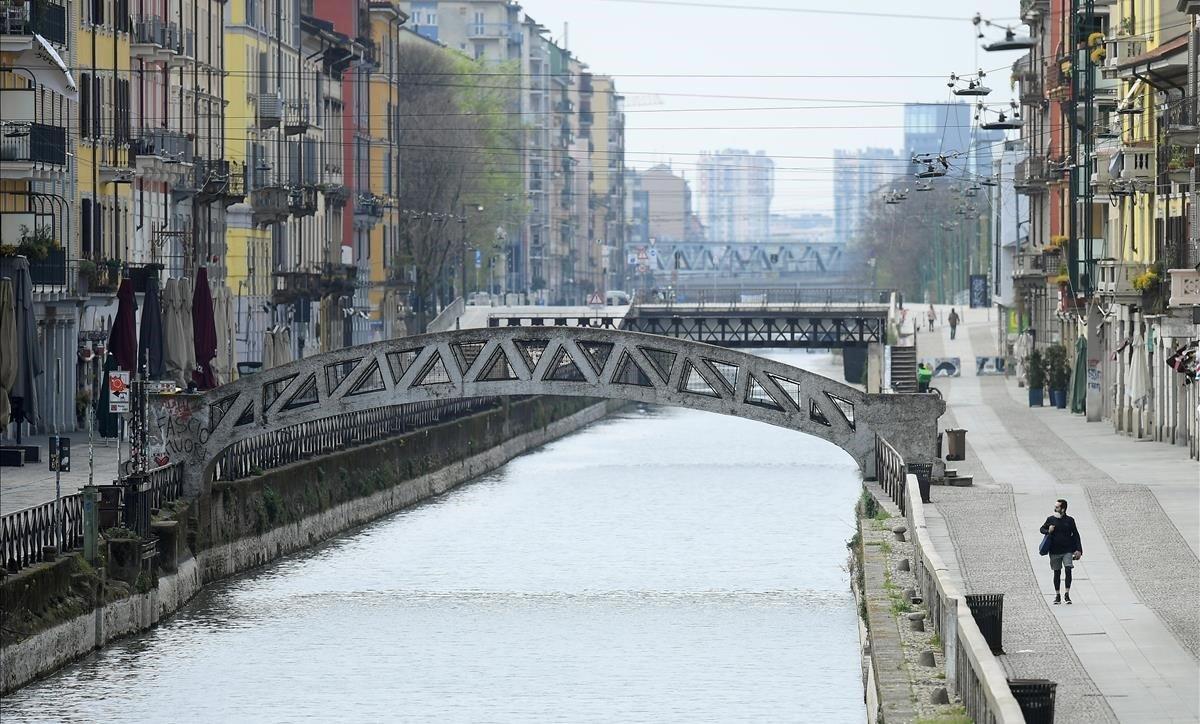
x: 1127, y: 649
x: 33, y: 484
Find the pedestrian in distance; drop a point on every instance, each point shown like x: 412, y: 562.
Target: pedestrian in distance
x: 931, y: 316
x: 924, y: 377
x: 1063, y: 545
x: 953, y: 320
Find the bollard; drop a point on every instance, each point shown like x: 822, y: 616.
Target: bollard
x: 899, y: 532
x: 91, y: 521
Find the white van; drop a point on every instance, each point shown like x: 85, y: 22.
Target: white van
x: 616, y: 299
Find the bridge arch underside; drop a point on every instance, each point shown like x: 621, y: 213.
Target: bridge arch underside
x: 577, y: 362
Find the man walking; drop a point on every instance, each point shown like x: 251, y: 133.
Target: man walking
x: 1065, y: 546
x: 953, y: 320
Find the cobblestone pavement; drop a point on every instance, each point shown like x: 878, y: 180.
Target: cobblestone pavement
x: 33, y: 484
x: 1133, y: 630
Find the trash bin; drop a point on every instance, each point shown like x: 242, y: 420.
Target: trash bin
x: 1036, y: 699
x: 988, y: 611
x: 956, y: 443
x: 924, y: 473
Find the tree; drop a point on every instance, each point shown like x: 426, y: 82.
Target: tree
x: 911, y: 239
x: 459, y: 149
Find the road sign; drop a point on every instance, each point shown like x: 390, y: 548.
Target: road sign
x: 653, y: 253
x: 60, y: 454
x: 643, y: 257
x: 632, y: 259
x: 478, y: 258
x: 118, y: 392
x: 595, y: 300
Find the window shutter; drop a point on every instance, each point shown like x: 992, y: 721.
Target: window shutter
x: 85, y: 106
x: 85, y: 226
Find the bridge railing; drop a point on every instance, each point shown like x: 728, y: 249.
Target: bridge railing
x: 972, y: 670
x: 338, y: 432
x: 24, y: 533
x: 891, y: 472
x: 763, y: 298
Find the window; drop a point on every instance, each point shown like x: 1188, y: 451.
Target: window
x: 479, y: 24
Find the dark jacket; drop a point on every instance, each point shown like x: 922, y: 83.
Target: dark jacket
x: 1065, y: 538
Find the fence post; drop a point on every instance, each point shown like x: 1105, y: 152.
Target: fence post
x: 91, y: 522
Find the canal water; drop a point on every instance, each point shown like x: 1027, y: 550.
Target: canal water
x: 660, y: 565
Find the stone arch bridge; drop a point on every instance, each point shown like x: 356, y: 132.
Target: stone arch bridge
x: 580, y: 362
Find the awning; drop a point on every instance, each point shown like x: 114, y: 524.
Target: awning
x: 48, y: 68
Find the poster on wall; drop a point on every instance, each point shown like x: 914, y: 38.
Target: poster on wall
x: 980, y: 299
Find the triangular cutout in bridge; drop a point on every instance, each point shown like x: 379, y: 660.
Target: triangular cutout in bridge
x: 498, y: 368
x: 218, y: 410
x: 757, y: 394
x: 532, y: 350
x: 692, y: 382
x: 630, y: 373
x: 399, y: 362
x: 272, y: 390
x: 434, y: 372
x: 844, y: 406
x: 816, y: 415
x: 791, y: 388
x: 466, y: 353
x: 336, y: 374
x: 661, y: 360
x: 727, y: 371
x: 564, y: 369
x: 370, y: 381
x: 305, y: 396
x: 246, y: 417
x: 597, y: 354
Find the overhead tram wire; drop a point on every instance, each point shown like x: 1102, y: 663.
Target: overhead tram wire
x: 803, y: 11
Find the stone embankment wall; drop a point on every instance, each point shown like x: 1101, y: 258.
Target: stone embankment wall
x: 56, y: 612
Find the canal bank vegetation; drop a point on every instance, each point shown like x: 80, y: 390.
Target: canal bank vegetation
x: 56, y: 611
x: 904, y: 660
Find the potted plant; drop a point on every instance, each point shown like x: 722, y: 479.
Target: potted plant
x: 36, y: 244
x: 87, y: 276
x: 1058, y: 372
x: 1035, y: 377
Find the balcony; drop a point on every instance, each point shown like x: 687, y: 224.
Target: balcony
x: 368, y: 210
x: 296, y: 118
x: 268, y: 110
x: 270, y: 204
x: 1174, y: 166
x: 1029, y: 266
x: 1120, y: 52
x: 302, y: 200
x: 1030, y: 175
x: 184, y: 45
x: 1114, y: 279
x: 1185, y: 287
x: 486, y: 31
x: 154, y: 39
x: 161, y: 154
x: 1179, y: 124
x: 20, y: 20
x: 31, y: 151
x: 295, y: 286
x: 216, y: 179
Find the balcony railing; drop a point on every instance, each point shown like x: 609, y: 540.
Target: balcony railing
x: 1179, y: 123
x: 33, y: 142
x: 167, y: 145
x: 1114, y: 278
x: 302, y: 200
x: 1185, y: 287
x: 1030, y: 175
x: 30, y: 17
x: 155, y: 33
x: 1029, y: 265
x: 296, y: 118
x: 368, y: 205
x: 481, y: 31
x: 270, y: 204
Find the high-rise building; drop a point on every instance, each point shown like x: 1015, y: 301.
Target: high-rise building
x: 937, y: 128
x: 668, y: 203
x: 857, y: 177
x: 736, y: 188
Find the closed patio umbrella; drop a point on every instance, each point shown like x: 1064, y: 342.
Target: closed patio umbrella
x: 175, y: 348
x: 204, y: 332
x: 150, y: 336
x: 283, y: 346
x: 8, y: 348
x: 23, y: 393
x: 122, y: 340
x: 268, y: 349
x: 185, y: 319
x: 1135, y: 387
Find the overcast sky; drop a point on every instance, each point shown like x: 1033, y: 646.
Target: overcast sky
x: 634, y: 41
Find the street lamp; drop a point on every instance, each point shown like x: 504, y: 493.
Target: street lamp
x: 462, y: 220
